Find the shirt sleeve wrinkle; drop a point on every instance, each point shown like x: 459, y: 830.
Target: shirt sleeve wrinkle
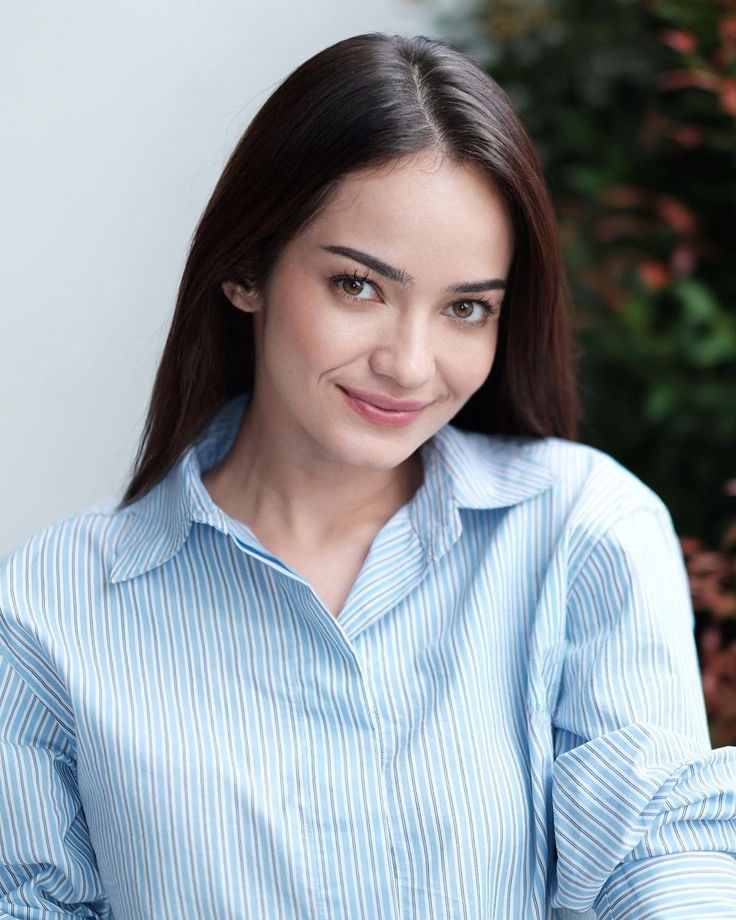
x: 48, y: 867
x: 47, y: 864
x: 635, y: 783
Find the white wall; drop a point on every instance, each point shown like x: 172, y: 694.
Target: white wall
x: 117, y: 119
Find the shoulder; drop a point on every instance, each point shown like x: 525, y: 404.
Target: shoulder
x: 87, y: 533
x: 578, y: 474
x: 597, y: 486
x: 73, y: 553
x: 586, y: 476
x: 602, y: 506
x: 589, y: 491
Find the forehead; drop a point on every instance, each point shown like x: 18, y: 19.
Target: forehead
x: 425, y: 203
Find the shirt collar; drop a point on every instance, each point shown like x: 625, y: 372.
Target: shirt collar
x: 462, y: 469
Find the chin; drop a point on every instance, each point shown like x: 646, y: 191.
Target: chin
x: 377, y: 459
x: 381, y: 456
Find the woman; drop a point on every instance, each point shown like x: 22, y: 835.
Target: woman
x: 369, y: 634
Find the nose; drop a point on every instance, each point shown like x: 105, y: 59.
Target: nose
x: 404, y: 351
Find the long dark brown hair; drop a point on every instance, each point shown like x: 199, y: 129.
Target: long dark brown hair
x: 362, y: 102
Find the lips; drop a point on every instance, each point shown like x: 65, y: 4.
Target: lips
x: 376, y: 415
x: 385, y: 402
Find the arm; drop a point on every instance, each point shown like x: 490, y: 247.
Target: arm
x: 47, y: 864
x: 644, y: 811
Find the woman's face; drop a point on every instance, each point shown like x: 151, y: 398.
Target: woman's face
x: 383, y: 319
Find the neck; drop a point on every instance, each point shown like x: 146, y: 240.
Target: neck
x: 278, y: 490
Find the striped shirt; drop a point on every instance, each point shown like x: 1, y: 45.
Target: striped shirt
x: 505, y: 721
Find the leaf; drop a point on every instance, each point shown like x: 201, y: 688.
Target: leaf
x: 699, y: 303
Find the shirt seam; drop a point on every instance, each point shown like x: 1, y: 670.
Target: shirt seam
x: 26, y: 683
x: 599, y: 537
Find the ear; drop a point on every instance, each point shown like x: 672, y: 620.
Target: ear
x: 244, y: 298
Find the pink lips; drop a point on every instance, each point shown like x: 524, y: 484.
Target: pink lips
x: 392, y: 412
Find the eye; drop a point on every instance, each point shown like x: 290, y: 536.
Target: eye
x: 487, y: 311
x: 351, y: 285
x: 465, y: 312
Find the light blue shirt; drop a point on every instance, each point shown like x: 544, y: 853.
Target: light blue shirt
x: 505, y: 722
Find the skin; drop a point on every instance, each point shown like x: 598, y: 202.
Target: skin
x: 305, y: 470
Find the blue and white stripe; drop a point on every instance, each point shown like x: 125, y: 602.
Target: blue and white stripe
x: 505, y: 721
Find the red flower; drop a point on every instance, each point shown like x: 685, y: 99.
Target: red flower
x: 727, y: 29
x: 654, y: 275
x: 688, y: 136
x: 682, y: 40
x: 681, y: 79
x: 676, y: 214
x: 727, y: 95
x: 682, y: 260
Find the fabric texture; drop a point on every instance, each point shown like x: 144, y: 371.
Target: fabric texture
x: 505, y: 721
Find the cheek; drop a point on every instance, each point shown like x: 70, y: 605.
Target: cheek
x: 468, y: 364
x: 327, y: 332
x: 298, y: 324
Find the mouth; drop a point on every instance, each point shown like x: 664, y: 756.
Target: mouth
x: 381, y: 415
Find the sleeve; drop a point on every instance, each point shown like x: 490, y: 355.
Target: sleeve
x: 47, y: 864
x: 644, y: 810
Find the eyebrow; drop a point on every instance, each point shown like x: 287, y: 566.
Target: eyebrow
x: 403, y: 277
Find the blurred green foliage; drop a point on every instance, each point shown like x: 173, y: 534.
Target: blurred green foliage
x: 632, y: 107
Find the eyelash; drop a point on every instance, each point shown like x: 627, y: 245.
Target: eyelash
x: 489, y: 309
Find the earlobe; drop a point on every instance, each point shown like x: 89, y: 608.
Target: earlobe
x: 241, y: 297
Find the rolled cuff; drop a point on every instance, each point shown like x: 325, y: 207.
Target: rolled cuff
x: 634, y: 794
x: 679, y: 886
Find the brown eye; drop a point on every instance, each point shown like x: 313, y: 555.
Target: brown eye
x: 352, y: 285
x: 463, y: 309
x: 466, y: 306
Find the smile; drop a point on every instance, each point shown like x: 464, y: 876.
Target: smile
x: 393, y: 418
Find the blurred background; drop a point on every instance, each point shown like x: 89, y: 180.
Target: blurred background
x: 119, y: 118
x: 632, y: 106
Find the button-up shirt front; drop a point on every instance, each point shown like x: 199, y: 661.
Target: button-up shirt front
x: 504, y: 722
